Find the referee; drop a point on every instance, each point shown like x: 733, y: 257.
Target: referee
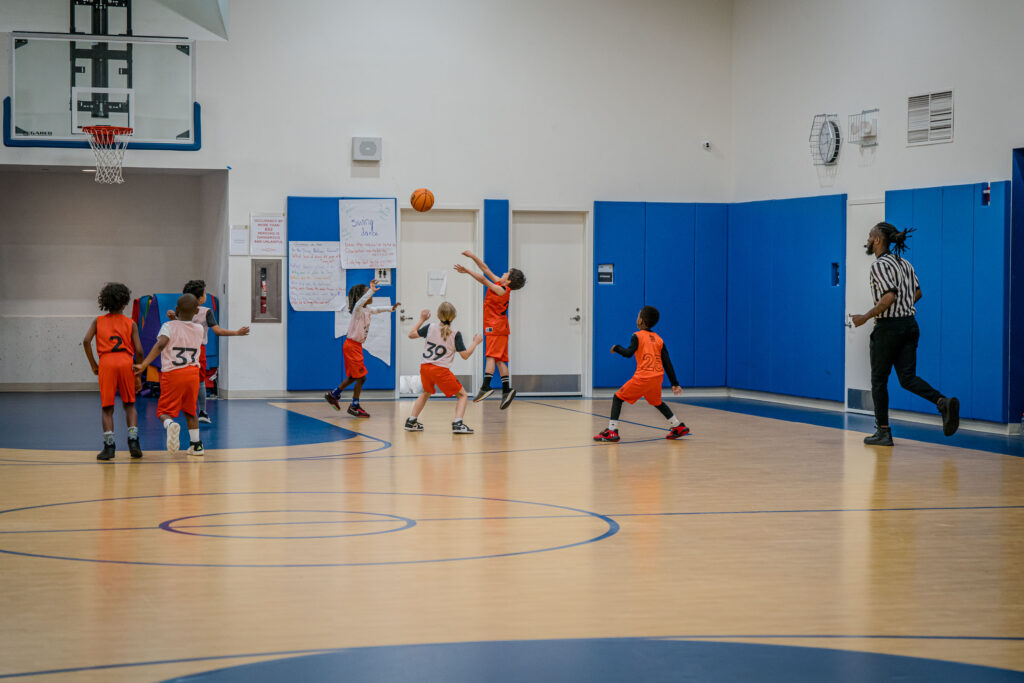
x: 895, y: 289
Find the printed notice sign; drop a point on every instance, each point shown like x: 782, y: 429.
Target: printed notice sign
x: 368, y: 235
x: 266, y: 234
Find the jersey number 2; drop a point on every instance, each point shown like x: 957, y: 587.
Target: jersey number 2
x: 117, y: 343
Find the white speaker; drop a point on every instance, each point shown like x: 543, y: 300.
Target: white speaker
x: 366, y: 149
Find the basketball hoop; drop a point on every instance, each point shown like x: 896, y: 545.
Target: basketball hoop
x: 108, y: 144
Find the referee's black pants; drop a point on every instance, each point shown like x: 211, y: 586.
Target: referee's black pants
x: 894, y: 343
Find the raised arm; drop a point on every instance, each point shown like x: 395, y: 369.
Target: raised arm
x: 374, y: 310
x: 496, y: 288
x: 418, y: 330
x: 87, y: 343
x: 161, y: 342
x: 634, y: 343
x: 480, y: 264
x: 467, y: 352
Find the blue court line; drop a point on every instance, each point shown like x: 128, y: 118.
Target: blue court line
x: 601, y: 415
x: 285, y: 653
x: 1002, y: 444
x: 511, y: 517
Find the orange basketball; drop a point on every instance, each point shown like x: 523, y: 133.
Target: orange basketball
x: 422, y: 199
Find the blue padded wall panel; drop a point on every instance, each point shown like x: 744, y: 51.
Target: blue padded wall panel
x: 786, y: 373
x: 619, y: 238
x: 314, y: 355
x: 991, y: 262
x: 925, y: 252
x: 741, y: 351
x: 496, y: 248
x: 669, y: 280
x: 1015, y: 376
x: 957, y: 294
x: 822, y: 363
x: 709, y: 294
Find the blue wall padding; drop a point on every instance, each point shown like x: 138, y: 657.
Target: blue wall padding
x: 1015, y: 379
x: 619, y: 238
x: 496, y: 246
x: 710, y: 288
x: 314, y: 356
x: 785, y: 314
x: 669, y: 280
x: 959, y: 251
x: 213, y: 341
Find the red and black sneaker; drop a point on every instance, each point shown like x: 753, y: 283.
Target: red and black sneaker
x: 357, y: 411
x: 329, y: 397
x: 611, y: 435
x: 677, y: 431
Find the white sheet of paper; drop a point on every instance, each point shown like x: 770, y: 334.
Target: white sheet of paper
x: 378, y: 340
x: 239, y: 240
x: 315, y: 276
x: 267, y: 234
x: 437, y: 282
x: 368, y: 233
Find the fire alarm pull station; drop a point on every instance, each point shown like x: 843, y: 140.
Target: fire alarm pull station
x: 266, y: 290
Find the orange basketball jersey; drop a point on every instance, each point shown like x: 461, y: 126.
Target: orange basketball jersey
x: 496, y: 312
x: 114, y: 334
x: 648, y: 355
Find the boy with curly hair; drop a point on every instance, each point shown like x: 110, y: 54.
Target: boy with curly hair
x: 118, y: 345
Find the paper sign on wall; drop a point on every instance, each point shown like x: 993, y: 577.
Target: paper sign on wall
x: 266, y: 234
x: 437, y: 282
x: 368, y: 235
x: 315, y: 276
x: 239, y: 240
x: 378, y: 339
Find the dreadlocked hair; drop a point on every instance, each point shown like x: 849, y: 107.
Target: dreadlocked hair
x: 894, y: 238
x: 114, y: 297
x: 446, y: 314
x: 355, y: 294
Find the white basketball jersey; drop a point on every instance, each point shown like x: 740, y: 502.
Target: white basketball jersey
x: 185, y: 342
x: 436, y: 350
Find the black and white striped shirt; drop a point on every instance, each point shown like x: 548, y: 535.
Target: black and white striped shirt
x: 890, y: 273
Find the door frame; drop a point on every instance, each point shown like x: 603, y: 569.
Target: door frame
x: 851, y: 231
x: 478, y: 239
x: 587, y: 303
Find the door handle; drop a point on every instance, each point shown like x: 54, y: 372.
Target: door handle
x: 575, y: 318
x: 405, y: 317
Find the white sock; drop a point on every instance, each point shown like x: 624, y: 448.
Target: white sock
x: 673, y: 421
x: 193, y: 435
x: 167, y: 421
x: 613, y: 425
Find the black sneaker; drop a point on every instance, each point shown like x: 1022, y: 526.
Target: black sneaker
x: 881, y: 437
x: 107, y: 453
x: 134, y: 448
x: 482, y: 394
x: 196, y: 448
x: 950, y: 410
x: 204, y: 418
x: 329, y: 397
x: 461, y: 427
x: 413, y: 425
x: 506, y: 398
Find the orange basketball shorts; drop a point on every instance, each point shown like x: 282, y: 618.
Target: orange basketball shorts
x: 436, y: 377
x: 116, y: 377
x: 353, y: 352
x: 497, y: 347
x: 179, y: 390
x: 638, y: 388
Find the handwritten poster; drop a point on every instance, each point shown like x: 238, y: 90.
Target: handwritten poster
x: 266, y: 234
x: 315, y: 276
x: 368, y: 235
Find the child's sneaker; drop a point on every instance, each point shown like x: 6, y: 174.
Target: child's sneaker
x: 173, y: 434
x: 134, y: 448
x: 357, y: 411
x: 204, y: 417
x: 413, y: 425
x: 107, y: 453
x: 461, y: 427
x: 482, y: 394
x: 506, y: 398
x: 329, y: 397
x: 677, y: 431
x: 608, y: 435
x: 196, y: 448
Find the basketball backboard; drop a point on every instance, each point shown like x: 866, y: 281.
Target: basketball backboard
x: 61, y: 83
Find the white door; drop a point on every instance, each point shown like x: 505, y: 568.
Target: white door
x: 431, y: 243
x: 861, y: 215
x: 546, y: 347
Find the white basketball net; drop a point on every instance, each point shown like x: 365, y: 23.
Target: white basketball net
x: 108, y: 145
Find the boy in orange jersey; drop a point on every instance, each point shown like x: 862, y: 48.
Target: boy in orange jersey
x: 117, y: 343
x: 652, y: 362
x: 179, y: 343
x: 496, y: 327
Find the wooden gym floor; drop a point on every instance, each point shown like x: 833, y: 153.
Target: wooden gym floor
x: 307, y: 544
